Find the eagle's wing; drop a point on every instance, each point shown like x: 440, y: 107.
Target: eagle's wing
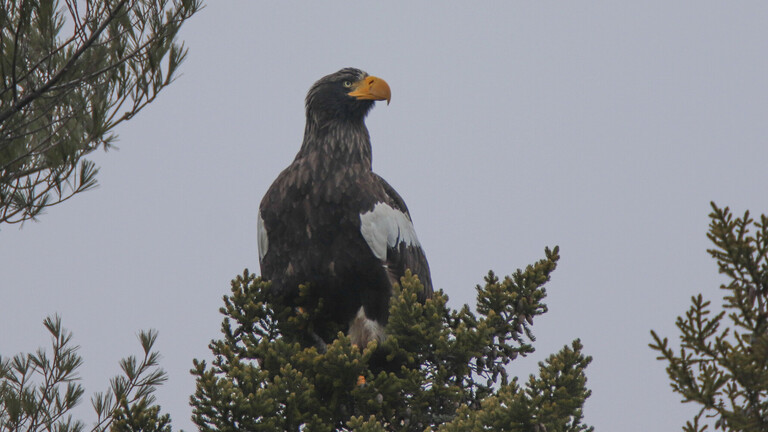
x: 389, y: 232
x: 263, y: 241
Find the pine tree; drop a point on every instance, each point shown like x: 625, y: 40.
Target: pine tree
x: 438, y: 369
x: 62, y: 97
x: 722, y: 362
x: 38, y: 390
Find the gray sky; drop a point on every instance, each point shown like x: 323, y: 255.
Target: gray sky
x: 603, y: 127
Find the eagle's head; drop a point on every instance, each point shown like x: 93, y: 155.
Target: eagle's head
x: 345, y: 95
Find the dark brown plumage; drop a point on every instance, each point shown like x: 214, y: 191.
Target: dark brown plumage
x: 329, y: 221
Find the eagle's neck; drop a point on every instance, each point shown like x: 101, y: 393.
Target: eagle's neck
x: 331, y: 144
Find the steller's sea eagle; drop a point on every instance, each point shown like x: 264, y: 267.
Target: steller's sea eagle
x: 328, y: 220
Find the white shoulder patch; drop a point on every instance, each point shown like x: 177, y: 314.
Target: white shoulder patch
x: 384, y: 226
x: 261, y: 231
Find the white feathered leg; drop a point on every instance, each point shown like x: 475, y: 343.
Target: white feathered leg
x: 363, y: 330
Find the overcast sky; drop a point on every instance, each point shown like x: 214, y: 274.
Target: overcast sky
x: 603, y: 127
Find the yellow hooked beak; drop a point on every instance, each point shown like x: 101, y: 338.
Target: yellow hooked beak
x: 371, y: 88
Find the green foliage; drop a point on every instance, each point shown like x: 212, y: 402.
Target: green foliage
x: 61, y: 97
x: 722, y: 363
x: 438, y: 369
x: 552, y: 401
x: 38, y: 390
x: 140, y: 417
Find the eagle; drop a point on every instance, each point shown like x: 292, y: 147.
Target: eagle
x: 330, y: 222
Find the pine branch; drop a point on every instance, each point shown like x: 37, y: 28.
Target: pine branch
x: 437, y: 369
x: 722, y: 364
x: 38, y: 391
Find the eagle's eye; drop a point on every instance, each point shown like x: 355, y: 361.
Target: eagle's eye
x: 347, y: 84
